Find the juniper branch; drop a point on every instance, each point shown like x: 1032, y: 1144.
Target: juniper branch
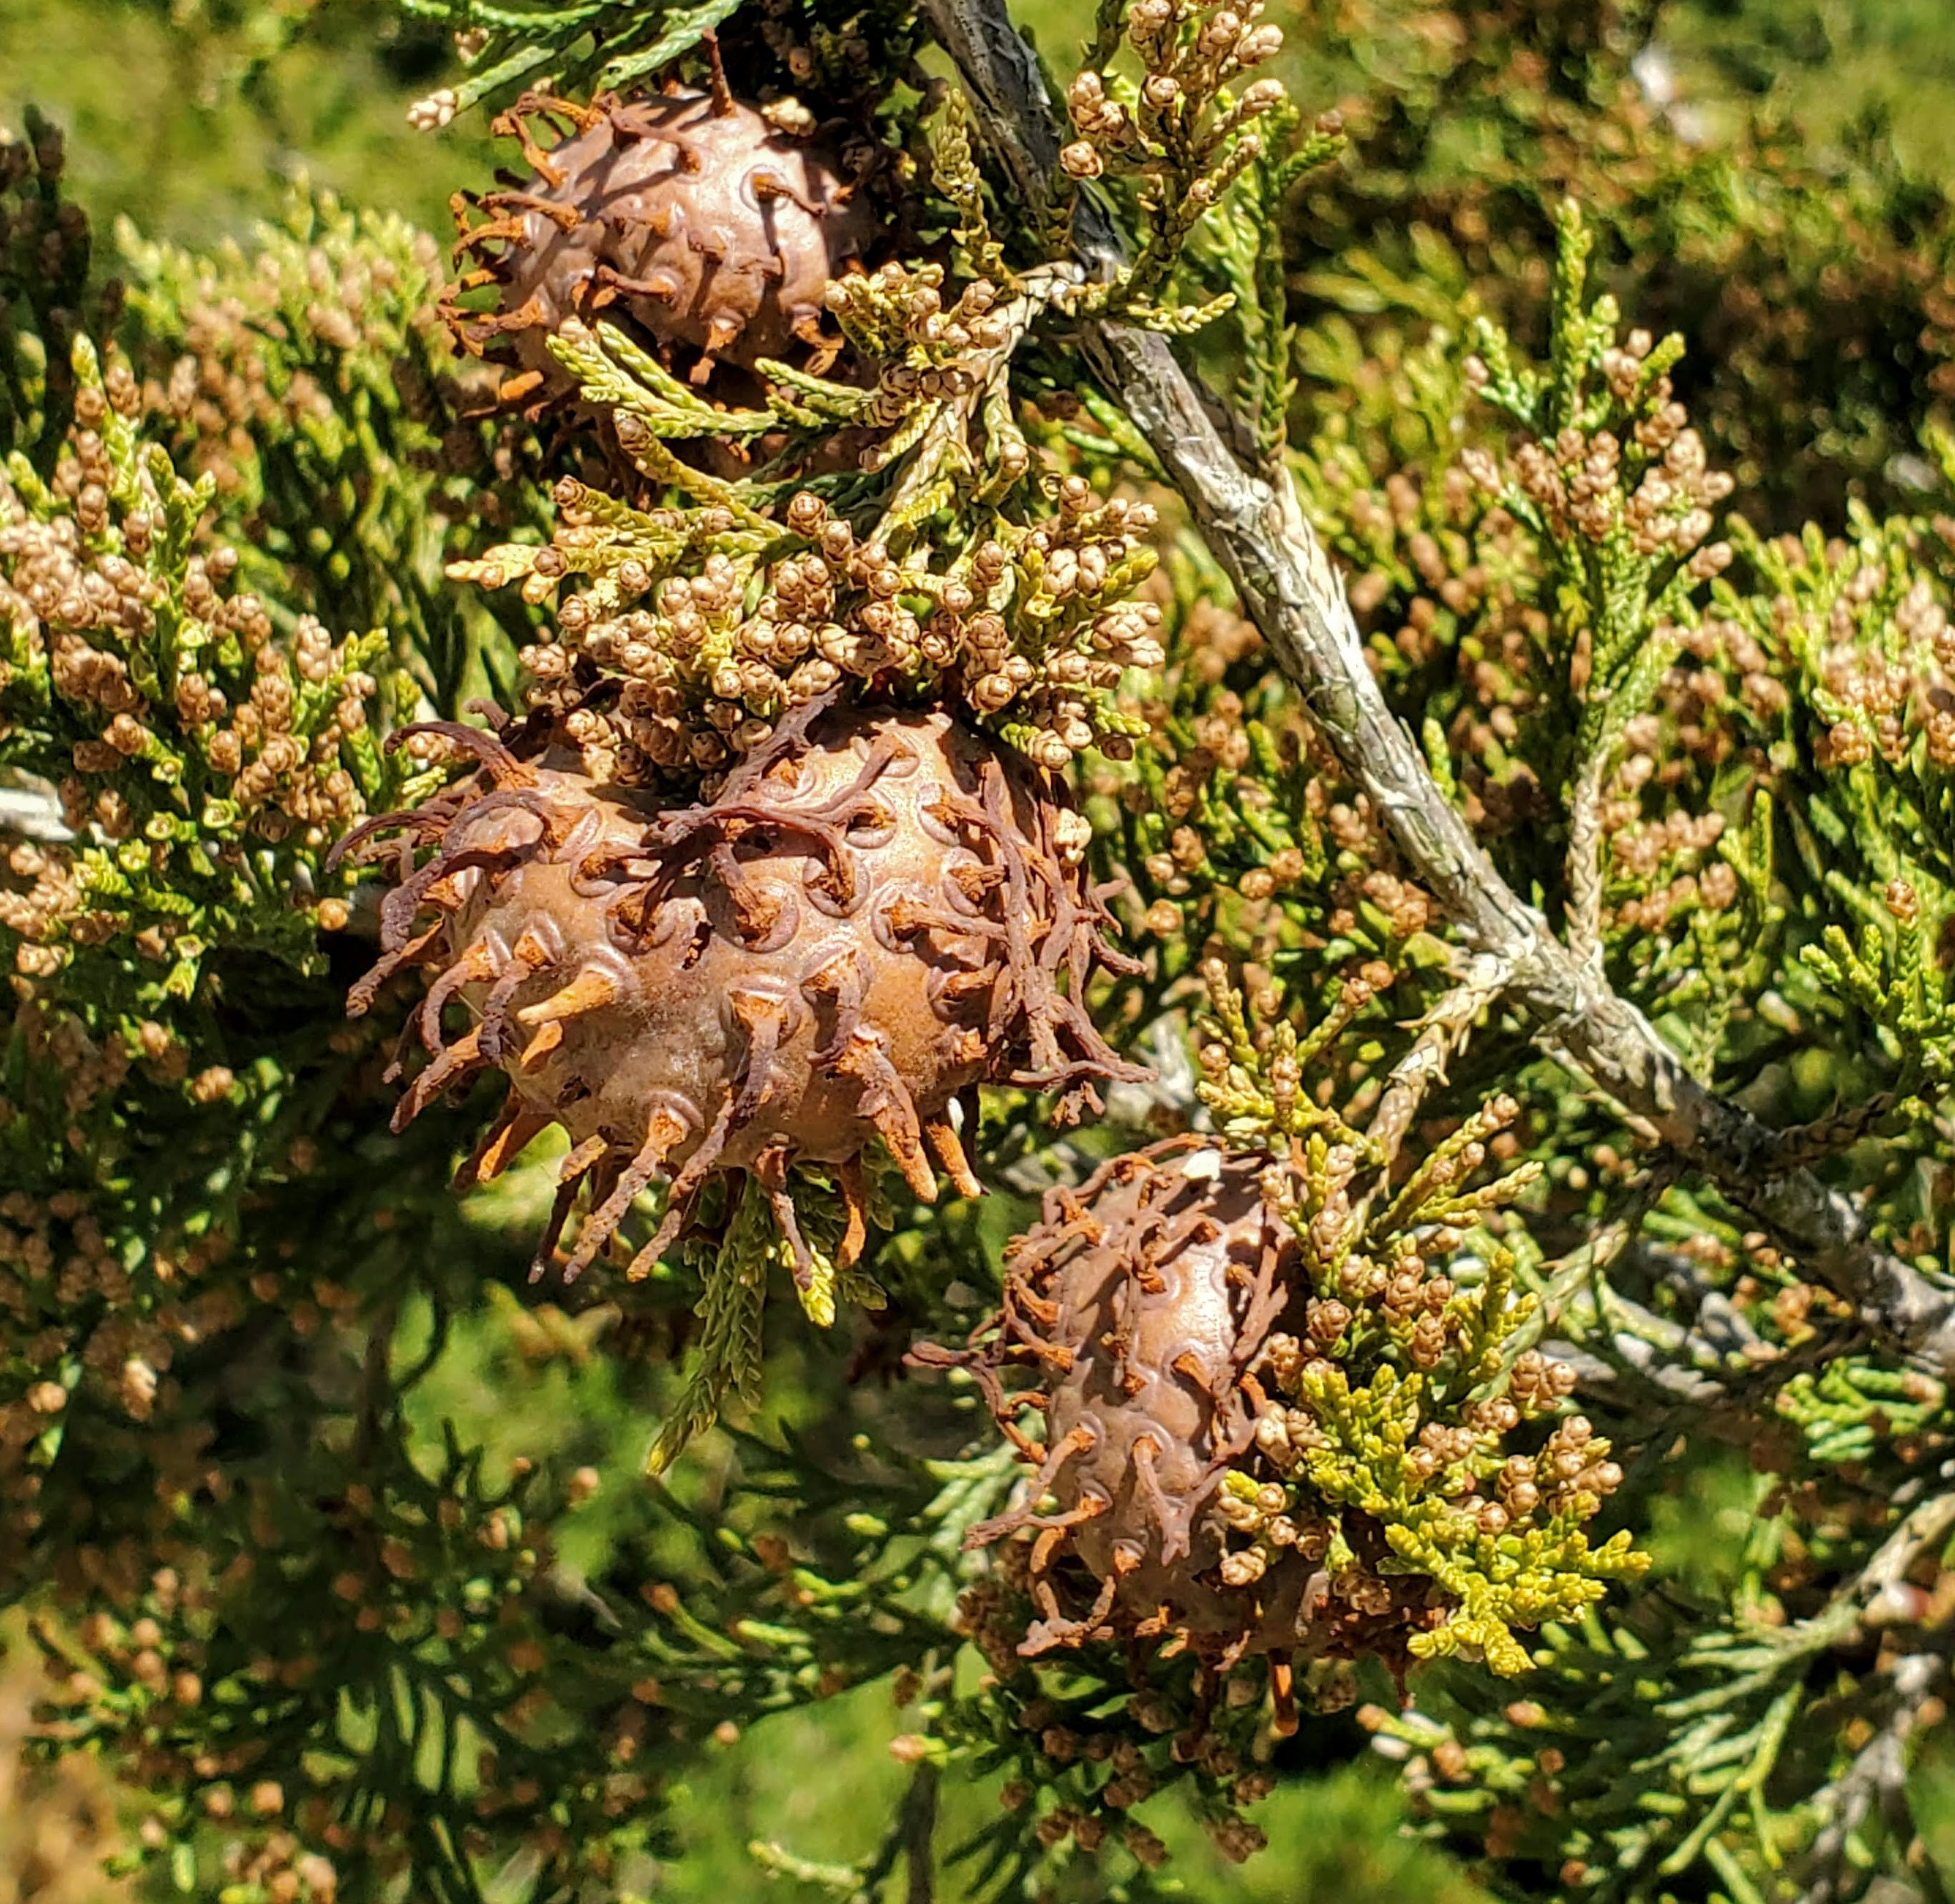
x: 1878, y: 1776
x: 1621, y: 1385
x: 1876, y: 1781
x: 1253, y: 522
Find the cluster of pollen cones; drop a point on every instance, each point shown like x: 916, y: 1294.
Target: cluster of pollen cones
x: 880, y: 911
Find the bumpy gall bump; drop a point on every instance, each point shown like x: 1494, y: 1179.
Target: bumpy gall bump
x: 690, y: 218
x: 879, y: 911
x: 1145, y: 1302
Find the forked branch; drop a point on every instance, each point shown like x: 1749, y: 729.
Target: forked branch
x: 1252, y: 521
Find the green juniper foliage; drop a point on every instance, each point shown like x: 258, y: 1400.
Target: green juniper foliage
x: 1447, y: 1359
x: 1813, y: 279
x: 330, y: 1532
